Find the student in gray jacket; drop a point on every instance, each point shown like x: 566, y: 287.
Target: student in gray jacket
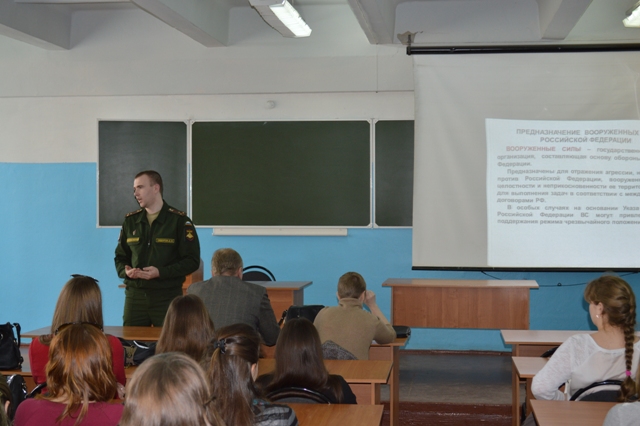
x: 230, y: 300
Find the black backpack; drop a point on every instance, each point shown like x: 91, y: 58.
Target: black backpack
x: 10, y: 358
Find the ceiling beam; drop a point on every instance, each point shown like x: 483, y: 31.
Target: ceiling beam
x: 36, y: 24
x: 558, y: 17
x: 207, y: 22
x: 377, y: 18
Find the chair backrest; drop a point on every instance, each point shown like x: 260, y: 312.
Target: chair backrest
x: 257, y: 273
x: 549, y: 352
x: 37, y: 390
x: 298, y: 395
x: 609, y: 392
x: 18, y: 389
x: 332, y: 350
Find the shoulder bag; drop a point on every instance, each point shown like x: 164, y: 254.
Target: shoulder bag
x: 305, y: 311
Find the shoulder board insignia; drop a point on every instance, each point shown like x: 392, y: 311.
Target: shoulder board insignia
x: 172, y: 210
x: 132, y: 213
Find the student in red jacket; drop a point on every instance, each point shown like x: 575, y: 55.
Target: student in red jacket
x: 80, y: 382
x: 80, y: 301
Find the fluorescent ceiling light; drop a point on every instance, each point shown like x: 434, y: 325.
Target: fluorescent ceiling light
x: 633, y: 17
x: 282, y: 16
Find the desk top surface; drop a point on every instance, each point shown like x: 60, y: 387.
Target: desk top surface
x: 283, y: 285
x: 399, y: 341
x: 560, y: 413
x: 423, y: 282
x: 353, y: 371
x: 337, y: 414
x: 358, y: 371
x: 528, y: 366
x: 539, y: 337
x: 273, y: 285
x: 153, y: 333
x: 127, y: 333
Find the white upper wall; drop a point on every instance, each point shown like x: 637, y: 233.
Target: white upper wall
x: 129, y: 52
x: 65, y: 129
x: 130, y: 66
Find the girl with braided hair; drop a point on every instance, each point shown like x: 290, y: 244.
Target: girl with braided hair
x: 611, y: 353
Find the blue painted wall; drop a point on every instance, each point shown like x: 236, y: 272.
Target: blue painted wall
x: 49, y: 231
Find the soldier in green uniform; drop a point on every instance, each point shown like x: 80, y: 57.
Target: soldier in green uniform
x: 157, y: 248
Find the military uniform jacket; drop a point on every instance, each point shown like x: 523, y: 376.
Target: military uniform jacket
x: 170, y: 244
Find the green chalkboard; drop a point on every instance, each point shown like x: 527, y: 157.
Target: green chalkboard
x: 394, y: 173
x: 293, y: 173
x: 128, y: 147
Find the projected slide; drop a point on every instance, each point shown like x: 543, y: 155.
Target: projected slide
x: 563, y: 192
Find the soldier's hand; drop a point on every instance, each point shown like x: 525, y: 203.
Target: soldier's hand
x: 131, y: 272
x: 149, y: 273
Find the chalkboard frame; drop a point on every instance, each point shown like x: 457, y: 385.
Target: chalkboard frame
x: 183, y: 180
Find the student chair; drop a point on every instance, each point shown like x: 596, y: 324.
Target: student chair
x: 298, y: 395
x: 607, y: 394
x: 37, y: 390
x: 257, y: 273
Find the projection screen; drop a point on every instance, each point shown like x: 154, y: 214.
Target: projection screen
x: 527, y: 161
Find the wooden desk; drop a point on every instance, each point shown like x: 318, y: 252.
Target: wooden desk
x: 391, y: 352
x: 460, y: 303
x: 523, y: 368
x: 562, y: 413
x: 283, y: 294
x: 364, y: 377
x: 148, y: 334
x: 536, y: 342
x: 338, y: 414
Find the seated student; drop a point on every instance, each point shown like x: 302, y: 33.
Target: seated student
x: 350, y: 326
x: 230, y: 300
x: 169, y: 389
x: 232, y: 366
x: 299, y: 363
x: 5, y: 401
x: 80, y: 301
x: 612, y: 352
x: 187, y: 327
x: 80, y: 382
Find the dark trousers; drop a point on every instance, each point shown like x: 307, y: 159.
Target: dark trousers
x: 144, y: 307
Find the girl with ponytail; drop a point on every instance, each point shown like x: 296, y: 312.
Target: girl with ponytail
x: 231, y: 361
x: 611, y: 353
